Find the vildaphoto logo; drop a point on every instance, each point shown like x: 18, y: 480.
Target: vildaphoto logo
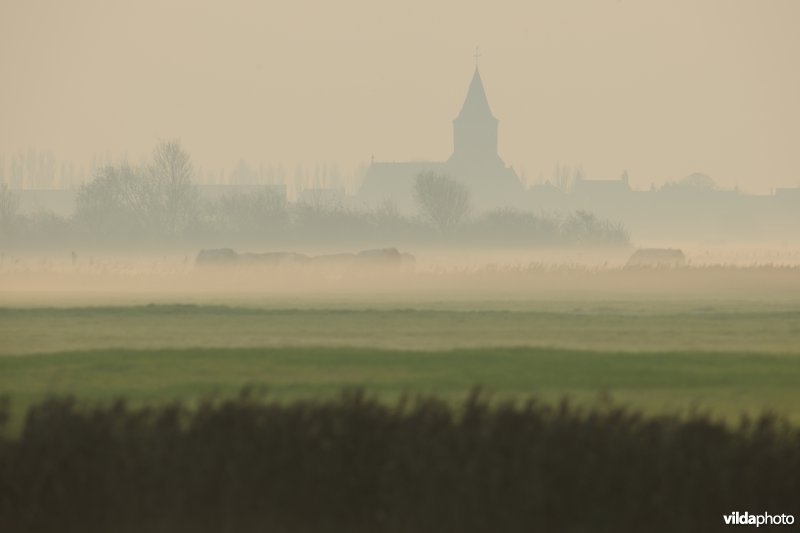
x: 764, y: 519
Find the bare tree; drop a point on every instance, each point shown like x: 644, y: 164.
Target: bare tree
x: 119, y: 197
x: 176, y: 197
x: 158, y: 198
x: 441, y: 200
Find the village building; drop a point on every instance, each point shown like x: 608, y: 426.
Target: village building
x: 474, y: 162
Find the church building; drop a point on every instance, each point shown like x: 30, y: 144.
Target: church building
x: 474, y: 162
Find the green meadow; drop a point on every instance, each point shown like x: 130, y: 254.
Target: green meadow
x: 724, y: 358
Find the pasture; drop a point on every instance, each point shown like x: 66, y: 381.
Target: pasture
x: 726, y: 357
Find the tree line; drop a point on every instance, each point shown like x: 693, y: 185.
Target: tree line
x: 159, y: 202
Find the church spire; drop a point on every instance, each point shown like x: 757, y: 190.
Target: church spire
x: 475, y: 128
x: 476, y: 104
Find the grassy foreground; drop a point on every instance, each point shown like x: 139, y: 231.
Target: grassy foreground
x: 352, y: 464
x: 725, y: 383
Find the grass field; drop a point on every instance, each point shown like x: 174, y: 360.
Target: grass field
x: 725, y: 383
x: 629, y: 326
x: 727, y: 357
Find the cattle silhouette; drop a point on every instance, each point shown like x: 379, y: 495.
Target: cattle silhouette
x: 656, y: 258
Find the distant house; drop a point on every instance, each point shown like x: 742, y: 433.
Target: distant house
x: 604, y: 188
x: 474, y: 162
x: 656, y: 258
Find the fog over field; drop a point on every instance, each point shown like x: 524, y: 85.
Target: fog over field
x: 512, y: 276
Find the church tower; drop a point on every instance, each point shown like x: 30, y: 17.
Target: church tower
x: 475, y: 128
x: 474, y: 162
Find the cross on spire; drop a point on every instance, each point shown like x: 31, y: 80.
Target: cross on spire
x: 476, y: 55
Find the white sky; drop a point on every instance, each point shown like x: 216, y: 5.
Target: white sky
x: 662, y: 88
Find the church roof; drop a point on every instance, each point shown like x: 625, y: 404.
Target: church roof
x: 476, y: 104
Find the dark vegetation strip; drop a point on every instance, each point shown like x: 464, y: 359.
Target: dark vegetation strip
x: 355, y: 464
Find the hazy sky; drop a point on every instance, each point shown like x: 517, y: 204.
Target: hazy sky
x: 661, y: 88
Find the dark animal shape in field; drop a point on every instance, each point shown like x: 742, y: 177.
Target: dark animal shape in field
x: 378, y: 261
x: 218, y: 257
x: 656, y: 258
x: 380, y: 257
x: 333, y: 259
x: 387, y: 259
x: 384, y: 261
x: 381, y: 260
x: 272, y: 259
